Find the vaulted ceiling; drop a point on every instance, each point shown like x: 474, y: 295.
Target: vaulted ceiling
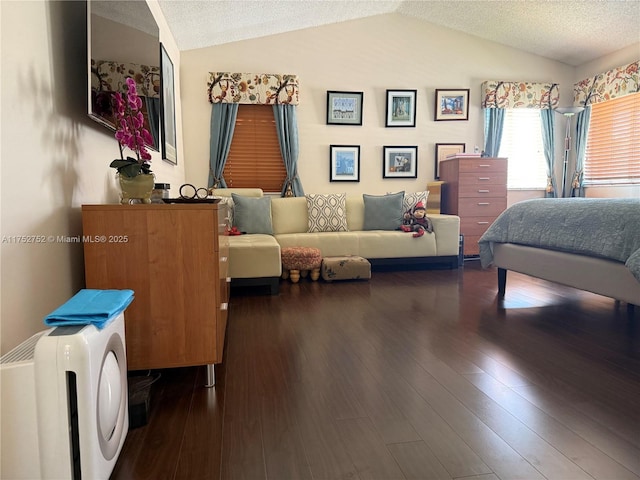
x: 570, y: 31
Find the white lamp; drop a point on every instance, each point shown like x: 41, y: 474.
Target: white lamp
x: 567, y: 112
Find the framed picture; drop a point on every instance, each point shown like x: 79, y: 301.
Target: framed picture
x: 344, y: 163
x: 401, y: 108
x: 400, y: 162
x: 168, y: 108
x: 344, y: 108
x: 444, y: 149
x: 452, y: 105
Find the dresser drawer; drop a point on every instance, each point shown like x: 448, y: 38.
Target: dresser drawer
x: 483, y: 178
x: 475, y: 225
x: 481, y: 207
x: 478, y: 165
x: 223, y: 265
x: 471, y: 245
x: 225, y: 289
x: 482, y: 191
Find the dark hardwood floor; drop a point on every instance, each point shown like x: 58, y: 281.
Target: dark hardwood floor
x: 419, y: 374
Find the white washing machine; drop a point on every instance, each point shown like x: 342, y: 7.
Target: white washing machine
x: 64, y: 404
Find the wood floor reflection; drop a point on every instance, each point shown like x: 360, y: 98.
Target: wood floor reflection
x: 420, y: 374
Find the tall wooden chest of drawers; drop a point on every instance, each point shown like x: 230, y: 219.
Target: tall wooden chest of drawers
x: 475, y: 189
x: 175, y: 259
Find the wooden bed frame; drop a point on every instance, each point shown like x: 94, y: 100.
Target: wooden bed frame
x: 593, y: 274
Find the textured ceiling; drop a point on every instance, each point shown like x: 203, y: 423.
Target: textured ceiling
x: 570, y: 31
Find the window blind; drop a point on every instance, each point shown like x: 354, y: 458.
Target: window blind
x: 254, y: 159
x: 613, y: 143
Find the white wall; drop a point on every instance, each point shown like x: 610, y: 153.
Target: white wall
x: 54, y: 159
x: 370, y: 55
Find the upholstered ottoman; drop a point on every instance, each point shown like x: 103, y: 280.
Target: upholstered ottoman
x: 345, y: 268
x: 299, y: 261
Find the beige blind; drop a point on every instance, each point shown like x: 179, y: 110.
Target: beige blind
x: 254, y: 158
x: 613, y: 145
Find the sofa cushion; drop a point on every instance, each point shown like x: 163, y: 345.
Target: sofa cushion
x: 327, y: 212
x: 383, y: 212
x: 254, y: 256
x: 252, y: 214
x: 289, y: 215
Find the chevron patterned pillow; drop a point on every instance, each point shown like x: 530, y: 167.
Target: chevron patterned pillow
x: 327, y: 212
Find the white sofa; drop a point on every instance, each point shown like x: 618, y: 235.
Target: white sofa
x: 254, y: 259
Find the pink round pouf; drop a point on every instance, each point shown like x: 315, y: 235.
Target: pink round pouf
x: 298, y: 261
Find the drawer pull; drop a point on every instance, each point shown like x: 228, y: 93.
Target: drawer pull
x: 483, y: 191
x: 484, y: 166
x: 228, y: 279
x: 484, y: 203
x: 484, y: 178
x: 483, y: 223
x: 224, y: 306
x: 223, y: 259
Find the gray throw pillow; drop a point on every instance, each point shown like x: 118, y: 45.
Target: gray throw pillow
x: 383, y: 212
x: 252, y: 214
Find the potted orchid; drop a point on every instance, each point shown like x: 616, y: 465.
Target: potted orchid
x: 131, y: 133
x: 134, y: 174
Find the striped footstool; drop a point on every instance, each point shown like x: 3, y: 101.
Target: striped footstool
x: 299, y: 261
x: 345, y: 268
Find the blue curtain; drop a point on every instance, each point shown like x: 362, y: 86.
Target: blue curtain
x: 493, y: 123
x: 547, y: 119
x: 582, y: 131
x: 287, y: 128
x: 223, y: 123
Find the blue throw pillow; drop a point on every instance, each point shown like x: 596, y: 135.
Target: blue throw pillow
x: 252, y: 214
x: 383, y: 212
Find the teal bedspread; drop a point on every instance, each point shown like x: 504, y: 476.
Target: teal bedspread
x: 601, y: 227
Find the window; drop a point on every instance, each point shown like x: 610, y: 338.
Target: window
x: 254, y: 158
x: 522, y: 144
x: 613, y: 143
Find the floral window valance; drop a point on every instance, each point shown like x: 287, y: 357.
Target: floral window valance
x: 111, y: 76
x: 253, y: 88
x: 519, y: 95
x: 615, y: 83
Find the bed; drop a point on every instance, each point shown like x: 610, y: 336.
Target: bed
x: 588, y: 243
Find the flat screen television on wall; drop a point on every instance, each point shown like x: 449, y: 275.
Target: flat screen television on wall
x: 123, y: 41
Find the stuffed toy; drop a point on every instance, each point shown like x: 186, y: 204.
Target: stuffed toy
x: 415, y: 220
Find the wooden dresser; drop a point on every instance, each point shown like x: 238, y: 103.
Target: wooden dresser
x: 175, y: 258
x: 475, y: 189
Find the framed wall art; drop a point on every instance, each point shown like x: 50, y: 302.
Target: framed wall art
x: 452, y: 104
x: 444, y: 149
x: 401, y: 108
x: 168, y: 108
x: 344, y: 108
x: 344, y: 163
x: 400, y: 162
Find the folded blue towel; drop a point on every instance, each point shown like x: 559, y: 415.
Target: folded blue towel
x: 89, y: 306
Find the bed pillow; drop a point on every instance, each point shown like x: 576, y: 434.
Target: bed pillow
x: 383, y: 212
x: 252, y: 214
x: 327, y: 212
